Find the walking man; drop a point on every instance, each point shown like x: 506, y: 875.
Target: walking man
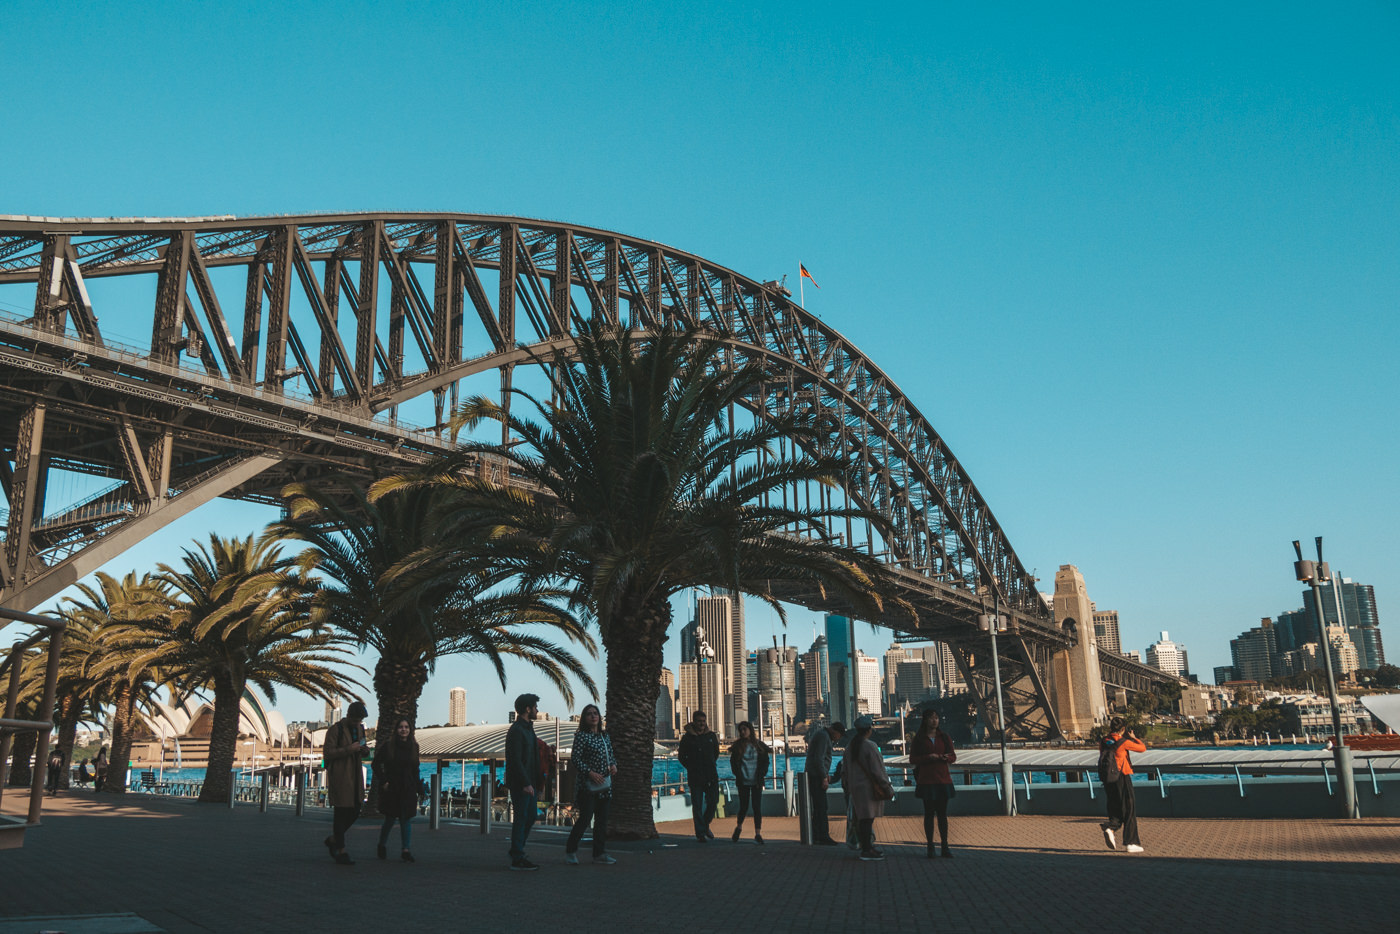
x: 522, y: 772
x: 344, y: 751
x: 818, y: 771
x: 699, y: 751
x: 1116, y: 773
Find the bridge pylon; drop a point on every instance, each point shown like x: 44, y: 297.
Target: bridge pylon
x: 1076, y: 681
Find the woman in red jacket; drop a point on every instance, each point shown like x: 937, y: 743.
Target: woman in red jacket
x: 930, y: 754
x: 1116, y: 772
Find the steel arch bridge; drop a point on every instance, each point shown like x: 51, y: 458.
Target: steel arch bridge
x: 281, y: 349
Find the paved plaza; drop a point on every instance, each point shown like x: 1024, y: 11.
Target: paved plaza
x: 159, y: 865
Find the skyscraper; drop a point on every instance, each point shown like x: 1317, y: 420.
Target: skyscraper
x: 1352, y: 606
x: 1254, y: 653
x: 777, y: 684
x: 1106, y: 631
x: 816, y: 681
x: 721, y: 618
x: 702, y: 688
x: 868, y: 684
x: 840, y: 678
x: 457, y: 707
x: 895, y: 654
x: 1168, y: 656
x: 666, y: 706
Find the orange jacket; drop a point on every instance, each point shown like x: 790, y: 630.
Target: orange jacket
x: 1125, y: 746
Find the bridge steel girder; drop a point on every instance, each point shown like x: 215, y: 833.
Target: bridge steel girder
x: 940, y: 533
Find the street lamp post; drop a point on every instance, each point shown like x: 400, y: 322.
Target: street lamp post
x: 994, y: 624
x: 1313, y: 573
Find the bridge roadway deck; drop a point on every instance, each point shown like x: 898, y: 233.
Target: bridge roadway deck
x: 182, y: 867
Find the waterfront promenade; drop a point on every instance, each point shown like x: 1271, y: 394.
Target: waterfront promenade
x: 180, y: 867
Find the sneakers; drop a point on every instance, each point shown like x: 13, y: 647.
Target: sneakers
x: 1108, y: 837
x: 604, y: 860
x: 344, y: 859
x: 523, y: 865
x: 1134, y: 848
x: 571, y: 859
x: 407, y: 857
x: 871, y: 856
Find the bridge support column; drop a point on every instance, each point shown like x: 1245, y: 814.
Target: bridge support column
x: 1076, y: 684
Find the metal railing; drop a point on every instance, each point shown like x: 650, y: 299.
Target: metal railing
x: 52, y: 630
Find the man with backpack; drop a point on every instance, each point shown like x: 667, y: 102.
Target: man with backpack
x: 1116, y: 773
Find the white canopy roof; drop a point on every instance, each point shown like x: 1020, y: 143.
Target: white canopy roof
x: 488, y: 741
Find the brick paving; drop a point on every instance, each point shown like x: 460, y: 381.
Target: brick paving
x: 190, y: 868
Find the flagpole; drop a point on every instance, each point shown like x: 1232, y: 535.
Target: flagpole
x: 801, y: 289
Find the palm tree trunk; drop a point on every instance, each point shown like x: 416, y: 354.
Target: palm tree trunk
x: 634, y: 678
x: 123, y: 722
x: 22, y: 752
x: 223, y: 740
x: 70, y: 711
x: 398, y: 683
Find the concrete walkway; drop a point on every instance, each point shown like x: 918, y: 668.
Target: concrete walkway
x: 154, y: 865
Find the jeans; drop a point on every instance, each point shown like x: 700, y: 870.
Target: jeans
x: 590, y: 807
x: 704, y: 799
x: 816, y: 794
x: 1122, y: 809
x: 751, y: 795
x: 526, y: 809
x: 342, y: 820
x: 405, y: 831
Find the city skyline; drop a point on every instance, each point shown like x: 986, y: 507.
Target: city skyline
x: 1094, y: 226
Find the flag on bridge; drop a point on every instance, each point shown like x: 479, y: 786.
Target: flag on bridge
x: 807, y: 275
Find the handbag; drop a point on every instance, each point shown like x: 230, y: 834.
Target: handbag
x: 598, y: 788
x: 882, y: 792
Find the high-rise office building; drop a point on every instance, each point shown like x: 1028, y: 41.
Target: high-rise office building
x: 777, y: 685
x: 703, y: 689
x: 915, y: 682
x: 1352, y: 606
x: 1255, y: 652
x: 457, y: 707
x: 815, y: 681
x: 1224, y: 673
x: 895, y: 654
x: 1106, y: 631
x: 666, y: 706
x: 333, y: 710
x: 1168, y: 656
x: 1345, y: 658
x: 721, y: 619
x: 840, y: 678
x: 868, y: 684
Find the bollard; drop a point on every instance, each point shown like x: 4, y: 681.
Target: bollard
x: 232, y: 788
x: 804, y: 813
x: 263, y: 793
x: 1346, y: 781
x: 1008, y: 781
x: 435, y: 796
x: 301, y: 793
x: 488, y: 793
x: 789, y: 792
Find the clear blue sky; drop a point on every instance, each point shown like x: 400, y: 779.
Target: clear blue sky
x: 1138, y: 264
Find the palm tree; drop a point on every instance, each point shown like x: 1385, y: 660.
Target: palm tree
x: 130, y: 678
x: 81, y: 693
x: 644, y: 488
x: 239, y: 615
x: 391, y: 584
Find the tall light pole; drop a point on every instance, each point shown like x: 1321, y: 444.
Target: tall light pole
x: 994, y: 624
x: 1313, y: 573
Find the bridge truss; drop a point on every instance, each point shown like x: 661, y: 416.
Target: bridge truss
x: 277, y: 349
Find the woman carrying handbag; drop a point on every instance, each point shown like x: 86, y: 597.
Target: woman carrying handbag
x: 869, y: 786
x: 593, y: 756
x: 930, y: 754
